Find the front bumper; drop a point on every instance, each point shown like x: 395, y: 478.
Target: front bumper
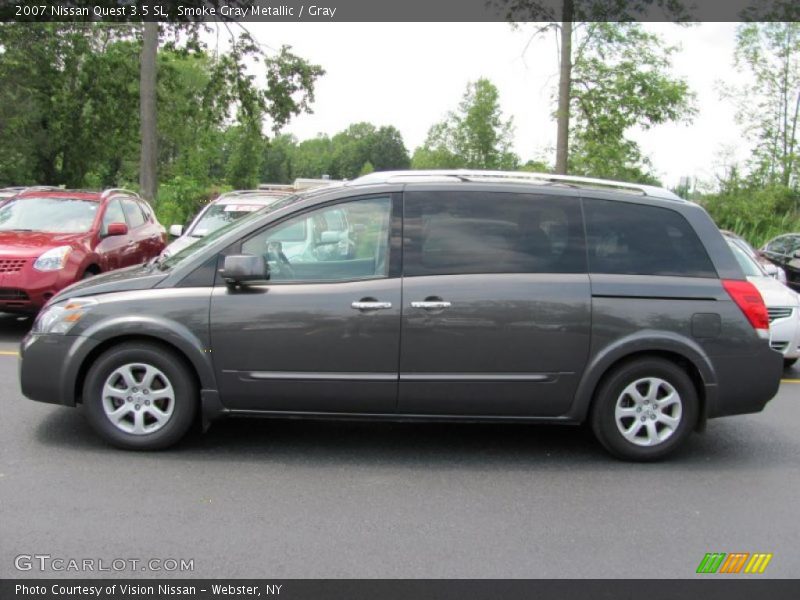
x: 785, y: 335
x: 28, y: 290
x: 49, y: 366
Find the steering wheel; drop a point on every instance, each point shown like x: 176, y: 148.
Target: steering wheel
x: 275, y: 252
x: 286, y: 267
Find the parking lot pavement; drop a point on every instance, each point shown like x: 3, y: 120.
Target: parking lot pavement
x: 313, y: 499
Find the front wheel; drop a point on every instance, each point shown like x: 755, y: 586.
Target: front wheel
x: 789, y: 362
x: 644, y: 410
x: 140, y: 396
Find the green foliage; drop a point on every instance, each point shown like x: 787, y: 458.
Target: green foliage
x: 757, y: 214
x: 180, y: 198
x: 476, y: 136
x: 360, y: 148
x: 278, y: 163
x: 69, y: 109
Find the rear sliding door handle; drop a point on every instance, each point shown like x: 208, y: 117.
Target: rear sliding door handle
x: 371, y: 305
x: 431, y: 304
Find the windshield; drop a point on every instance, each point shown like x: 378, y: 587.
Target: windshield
x: 56, y: 215
x: 209, y: 239
x: 750, y: 267
x: 219, y: 215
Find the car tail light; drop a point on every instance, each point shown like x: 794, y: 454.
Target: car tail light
x: 749, y: 300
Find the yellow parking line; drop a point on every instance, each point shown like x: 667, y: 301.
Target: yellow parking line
x: 790, y: 380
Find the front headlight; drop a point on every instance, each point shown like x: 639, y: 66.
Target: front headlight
x: 60, y: 318
x: 53, y: 260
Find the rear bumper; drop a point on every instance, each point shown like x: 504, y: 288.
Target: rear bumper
x: 746, y: 383
x: 49, y: 364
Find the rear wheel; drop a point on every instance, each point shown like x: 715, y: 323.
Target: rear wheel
x: 644, y: 409
x: 789, y: 362
x: 140, y: 396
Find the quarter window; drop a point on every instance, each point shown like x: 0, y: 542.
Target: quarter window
x: 635, y: 239
x: 337, y: 243
x: 482, y: 232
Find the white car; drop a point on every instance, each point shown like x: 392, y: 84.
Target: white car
x: 226, y: 209
x: 783, y: 306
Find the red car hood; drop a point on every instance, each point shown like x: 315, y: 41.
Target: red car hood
x: 24, y: 244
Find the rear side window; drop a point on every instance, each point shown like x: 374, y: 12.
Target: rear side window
x: 452, y: 233
x: 113, y: 214
x: 133, y: 213
x: 635, y: 239
x: 147, y: 210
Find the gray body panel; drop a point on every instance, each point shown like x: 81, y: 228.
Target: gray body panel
x: 508, y: 345
x: 511, y: 346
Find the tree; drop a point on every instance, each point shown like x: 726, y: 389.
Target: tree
x: 572, y: 22
x: 148, y: 182
x: 279, y: 158
x: 70, y: 100
x: 476, y: 136
x: 387, y: 150
x: 769, y: 106
x: 622, y: 81
x: 363, y: 143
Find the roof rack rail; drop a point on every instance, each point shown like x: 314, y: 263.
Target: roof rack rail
x: 111, y: 191
x: 469, y: 175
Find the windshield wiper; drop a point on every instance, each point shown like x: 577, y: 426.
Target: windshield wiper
x: 157, y: 262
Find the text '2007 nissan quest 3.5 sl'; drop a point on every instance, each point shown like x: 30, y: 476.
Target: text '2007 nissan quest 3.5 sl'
x: 423, y: 295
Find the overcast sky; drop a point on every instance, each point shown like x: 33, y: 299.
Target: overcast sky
x: 410, y: 74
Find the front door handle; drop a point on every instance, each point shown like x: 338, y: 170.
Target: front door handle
x: 431, y: 304
x: 370, y: 305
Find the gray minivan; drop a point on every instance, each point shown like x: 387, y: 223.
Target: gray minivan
x: 465, y: 296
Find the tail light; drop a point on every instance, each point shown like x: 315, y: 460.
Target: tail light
x: 749, y: 300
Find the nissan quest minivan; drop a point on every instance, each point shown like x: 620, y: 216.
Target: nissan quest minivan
x: 463, y: 296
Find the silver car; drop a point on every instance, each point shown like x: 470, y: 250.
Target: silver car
x: 226, y: 209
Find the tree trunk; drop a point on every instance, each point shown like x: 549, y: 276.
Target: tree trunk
x: 564, y: 88
x: 148, y: 182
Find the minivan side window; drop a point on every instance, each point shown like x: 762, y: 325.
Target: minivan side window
x: 342, y: 242
x: 636, y: 239
x: 470, y: 232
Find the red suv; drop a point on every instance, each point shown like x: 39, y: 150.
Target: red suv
x: 52, y: 238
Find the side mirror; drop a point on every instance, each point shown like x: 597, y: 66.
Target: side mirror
x: 176, y: 230
x: 116, y: 229
x: 240, y: 268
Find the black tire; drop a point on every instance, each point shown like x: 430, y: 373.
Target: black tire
x: 88, y: 275
x: 612, y: 388
x: 180, y: 379
x: 789, y: 362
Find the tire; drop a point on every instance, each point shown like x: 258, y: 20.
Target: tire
x: 789, y: 362
x: 624, y: 398
x: 132, y: 416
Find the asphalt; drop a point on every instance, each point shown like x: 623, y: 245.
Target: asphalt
x: 299, y: 499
